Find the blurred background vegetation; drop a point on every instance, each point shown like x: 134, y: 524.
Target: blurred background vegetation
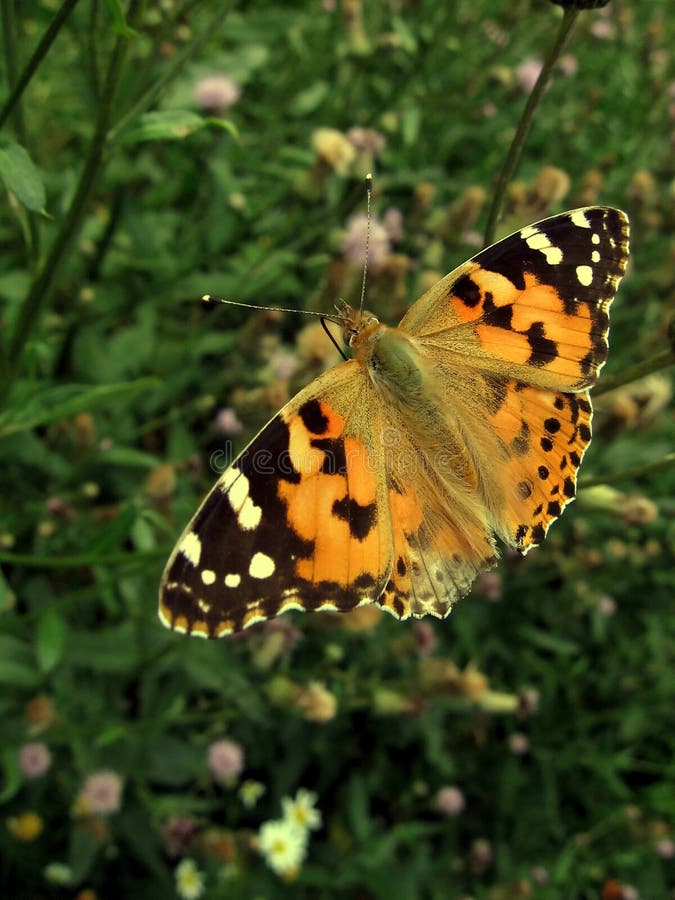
x: 153, y: 152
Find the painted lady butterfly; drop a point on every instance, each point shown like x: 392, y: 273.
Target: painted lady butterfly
x: 388, y: 478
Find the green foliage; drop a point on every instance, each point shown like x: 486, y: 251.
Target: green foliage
x: 127, y: 198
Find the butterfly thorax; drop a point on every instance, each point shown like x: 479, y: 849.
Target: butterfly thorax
x: 390, y: 356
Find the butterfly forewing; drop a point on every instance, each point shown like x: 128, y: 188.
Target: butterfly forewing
x: 298, y: 521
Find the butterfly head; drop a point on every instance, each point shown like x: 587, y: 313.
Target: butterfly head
x: 357, y: 324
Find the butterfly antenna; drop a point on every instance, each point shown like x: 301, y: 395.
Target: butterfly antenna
x: 209, y: 298
x: 369, y: 193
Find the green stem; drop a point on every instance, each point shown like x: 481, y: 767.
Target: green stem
x: 659, y: 361
x: 31, y: 561
x: 630, y: 474
x: 37, y: 56
x: 9, y: 30
x: 177, y: 65
x: 516, y: 148
x: 45, y: 281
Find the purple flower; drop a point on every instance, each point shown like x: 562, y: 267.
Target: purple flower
x: 216, y: 92
x: 225, y: 760
x: 34, y: 759
x: 101, y: 793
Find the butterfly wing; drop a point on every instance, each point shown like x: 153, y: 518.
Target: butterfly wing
x: 515, y: 336
x: 535, y: 304
x: 300, y: 520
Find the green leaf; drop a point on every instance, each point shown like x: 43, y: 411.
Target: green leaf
x: 65, y: 401
x: 310, y: 99
x: 131, y: 457
x: 119, y: 22
x: 549, y: 642
x: 7, y: 597
x: 173, y: 762
x: 50, y: 638
x: 173, y: 125
x: 108, y: 650
x: 17, y: 663
x: 21, y: 177
x: 82, y: 852
x: 12, y: 778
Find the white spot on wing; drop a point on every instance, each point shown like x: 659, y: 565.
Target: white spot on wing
x: 537, y: 240
x: 208, y: 576
x: 236, y: 486
x: 579, y: 218
x: 238, y: 489
x: 191, y: 548
x: 249, y: 515
x: 595, y: 256
x: 262, y: 566
x: 232, y: 580
x: 595, y: 238
x: 203, y: 605
x: 585, y: 275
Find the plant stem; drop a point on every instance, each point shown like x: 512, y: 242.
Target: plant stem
x: 659, y: 361
x: 10, y: 42
x: 33, y: 561
x: 37, y: 56
x: 177, y: 64
x: 630, y: 474
x: 45, y: 281
x: 569, y: 18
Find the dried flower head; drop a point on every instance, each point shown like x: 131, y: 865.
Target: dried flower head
x: 450, y: 800
x: 40, y: 713
x: 363, y: 618
x: 528, y: 702
x: 178, y: 833
x: 367, y: 139
x: 481, y: 853
x: 605, y: 605
x: 519, y: 743
x: 333, y: 149
x: 316, y: 702
x: 550, y: 186
x: 161, y: 483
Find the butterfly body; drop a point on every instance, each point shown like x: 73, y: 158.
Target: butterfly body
x: 389, y: 478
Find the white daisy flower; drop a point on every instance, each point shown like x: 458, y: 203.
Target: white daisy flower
x: 302, y: 810
x: 283, y: 845
x: 189, y: 880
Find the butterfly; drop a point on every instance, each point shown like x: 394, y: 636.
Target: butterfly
x: 389, y: 478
